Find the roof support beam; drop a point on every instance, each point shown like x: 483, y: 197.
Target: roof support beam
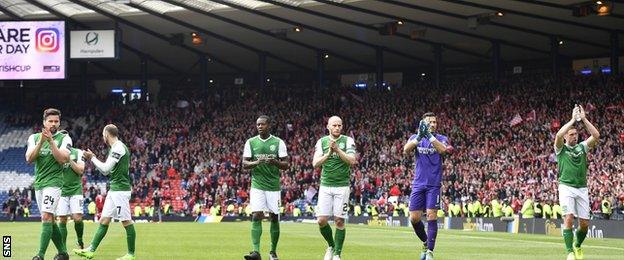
x: 373, y: 28
x: 266, y: 33
x: 10, y: 13
x: 123, y: 45
x: 219, y: 36
x: 322, y: 31
x: 450, y: 30
x: 550, y: 19
x: 157, y: 35
x: 615, y: 53
x: 560, y: 6
x: 511, y: 27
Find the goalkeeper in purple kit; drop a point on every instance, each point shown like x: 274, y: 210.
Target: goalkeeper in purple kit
x: 430, y: 148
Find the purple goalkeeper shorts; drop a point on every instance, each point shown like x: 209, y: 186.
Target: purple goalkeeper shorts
x: 424, y: 197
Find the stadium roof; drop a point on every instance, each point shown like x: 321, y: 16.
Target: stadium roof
x: 236, y: 31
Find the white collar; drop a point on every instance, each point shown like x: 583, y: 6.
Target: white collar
x: 264, y: 140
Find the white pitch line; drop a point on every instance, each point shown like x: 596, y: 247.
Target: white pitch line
x: 506, y: 239
x: 532, y: 242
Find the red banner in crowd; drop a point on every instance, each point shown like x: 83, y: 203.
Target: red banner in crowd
x: 530, y: 116
x: 516, y: 120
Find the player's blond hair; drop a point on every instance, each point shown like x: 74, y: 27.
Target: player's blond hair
x: 111, y: 130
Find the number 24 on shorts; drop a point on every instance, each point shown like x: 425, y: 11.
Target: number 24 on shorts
x: 48, y: 200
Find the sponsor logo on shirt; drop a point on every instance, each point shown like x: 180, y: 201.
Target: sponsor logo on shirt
x: 44, y: 151
x: 425, y: 150
x: 116, y: 155
x: 574, y: 154
x: 265, y: 156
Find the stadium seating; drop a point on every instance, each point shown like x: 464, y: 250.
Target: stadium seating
x: 194, y: 152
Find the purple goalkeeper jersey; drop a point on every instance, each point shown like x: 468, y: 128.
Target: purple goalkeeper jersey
x: 428, y: 170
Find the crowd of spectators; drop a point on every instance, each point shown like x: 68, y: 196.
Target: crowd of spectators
x: 18, y: 203
x: 189, y: 145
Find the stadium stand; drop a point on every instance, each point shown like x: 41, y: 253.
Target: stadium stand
x: 190, y: 145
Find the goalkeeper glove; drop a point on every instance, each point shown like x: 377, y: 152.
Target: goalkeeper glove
x: 424, y: 130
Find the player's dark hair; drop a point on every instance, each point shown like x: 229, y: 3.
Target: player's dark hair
x: 428, y: 114
x: 265, y: 117
x: 112, y: 130
x: 51, y: 112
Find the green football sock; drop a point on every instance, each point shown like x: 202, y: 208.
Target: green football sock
x: 340, y: 237
x: 130, y: 238
x: 326, y: 231
x: 256, y: 233
x: 79, y: 227
x: 580, y: 237
x: 57, y: 239
x: 568, y: 237
x: 63, y: 230
x: 44, y: 241
x: 99, y: 235
x: 275, y: 234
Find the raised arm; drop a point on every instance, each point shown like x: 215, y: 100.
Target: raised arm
x: 33, y: 149
x: 564, y: 129
x: 282, y: 161
x: 61, y: 154
x: 410, y: 145
x: 117, y: 151
x: 439, y: 145
x: 247, y: 162
x: 319, y: 157
x: 79, y: 165
x: 595, y: 135
x: 413, y: 141
x: 348, y: 155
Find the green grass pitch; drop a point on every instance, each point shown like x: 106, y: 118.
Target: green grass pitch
x: 303, y: 241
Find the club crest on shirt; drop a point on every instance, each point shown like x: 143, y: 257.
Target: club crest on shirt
x: 341, y: 146
x: 272, y: 148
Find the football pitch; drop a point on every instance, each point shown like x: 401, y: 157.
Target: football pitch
x: 303, y: 241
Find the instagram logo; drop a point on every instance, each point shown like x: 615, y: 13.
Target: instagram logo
x: 47, y: 39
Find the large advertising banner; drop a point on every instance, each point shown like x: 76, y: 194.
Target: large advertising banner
x: 92, y: 44
x: 598, y: 228
x: 32, y: 50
